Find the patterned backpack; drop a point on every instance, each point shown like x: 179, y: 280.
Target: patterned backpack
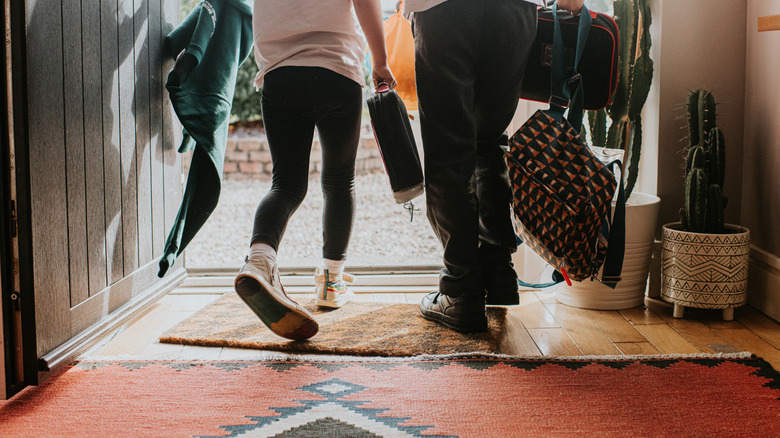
x: 562, y: 192
x: 562, y: 200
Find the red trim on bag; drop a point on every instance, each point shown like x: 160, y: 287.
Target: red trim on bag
x: 613, y: 57
x: 565, y: 276
x: 615, y: 45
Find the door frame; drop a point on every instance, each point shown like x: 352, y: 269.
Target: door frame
x: 20, y: 363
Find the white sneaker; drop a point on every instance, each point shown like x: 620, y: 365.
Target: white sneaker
x: 259, y: 286
x: 332, y: 290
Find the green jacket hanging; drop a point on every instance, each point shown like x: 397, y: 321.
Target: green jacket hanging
x: 209, y: 45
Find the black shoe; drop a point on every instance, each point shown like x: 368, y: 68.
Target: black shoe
x: 501, y: 285
x: 498, y: 275
x: 465, y: 314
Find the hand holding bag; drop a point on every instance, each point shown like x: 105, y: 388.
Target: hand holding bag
x: 562, y: 193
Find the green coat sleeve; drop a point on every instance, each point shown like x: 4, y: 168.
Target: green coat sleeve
x: 211, y: 43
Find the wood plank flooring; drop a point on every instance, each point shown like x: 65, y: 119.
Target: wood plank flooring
x: 539, y: 326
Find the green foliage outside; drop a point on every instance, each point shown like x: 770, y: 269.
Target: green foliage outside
x: 246, y: 98
x: 185, y: 8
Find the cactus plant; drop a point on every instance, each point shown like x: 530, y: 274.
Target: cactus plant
x: 705, y: 167
x: 635, y: 74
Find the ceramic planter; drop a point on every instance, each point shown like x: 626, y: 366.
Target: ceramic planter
x: 704, y: 270
x: 641, y: 217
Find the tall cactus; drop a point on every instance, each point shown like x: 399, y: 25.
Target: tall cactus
x: 705, y: 167
x: 635, y: 74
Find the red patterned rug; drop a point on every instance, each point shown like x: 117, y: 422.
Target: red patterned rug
x: 463, y: 396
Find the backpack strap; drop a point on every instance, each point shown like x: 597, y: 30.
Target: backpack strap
x: 561, y: 84
x: 557, y: 278
x: 613, y: 264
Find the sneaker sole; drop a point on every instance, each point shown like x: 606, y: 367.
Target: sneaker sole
x: 453, y: 323
x: 282, y: 318
x: 332, y: 304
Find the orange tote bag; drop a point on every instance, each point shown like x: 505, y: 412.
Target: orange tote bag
x: 400, y: 55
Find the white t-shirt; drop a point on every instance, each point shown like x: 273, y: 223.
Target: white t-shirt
x: 421, y: 5
x: 311, y: 33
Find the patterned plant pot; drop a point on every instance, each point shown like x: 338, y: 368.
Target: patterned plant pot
x: 704, y: 270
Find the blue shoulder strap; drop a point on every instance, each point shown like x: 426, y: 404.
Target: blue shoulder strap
x: 557, y: 277
x: 613, y: 264
x: 560, y: 82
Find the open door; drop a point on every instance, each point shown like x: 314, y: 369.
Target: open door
x: 97, y: 180
x: 17, y: 341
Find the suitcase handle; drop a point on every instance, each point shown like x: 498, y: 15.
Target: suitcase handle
x: 382, y: 87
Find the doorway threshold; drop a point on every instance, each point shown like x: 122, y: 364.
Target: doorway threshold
x: 300, y: 279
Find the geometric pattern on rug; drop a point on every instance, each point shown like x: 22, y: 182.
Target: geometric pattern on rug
x: 357, y: 329
x: 469, y: 396
x: 331, y: 417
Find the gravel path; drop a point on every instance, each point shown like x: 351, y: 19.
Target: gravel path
x: 382, y: 235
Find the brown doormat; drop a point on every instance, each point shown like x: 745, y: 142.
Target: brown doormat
x: 359, y: 328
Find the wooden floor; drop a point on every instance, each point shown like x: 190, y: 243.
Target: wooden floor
x: 539, y: 326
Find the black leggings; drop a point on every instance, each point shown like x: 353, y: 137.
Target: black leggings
x: 295, y: 100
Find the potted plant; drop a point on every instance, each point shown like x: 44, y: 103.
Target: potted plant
x: 619, y: 127
x: 704, y: 261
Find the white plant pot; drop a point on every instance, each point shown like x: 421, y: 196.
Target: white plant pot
x: 705, y: 270
x: 641, y: 218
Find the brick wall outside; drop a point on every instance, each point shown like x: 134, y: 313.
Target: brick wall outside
x: 248, y: 157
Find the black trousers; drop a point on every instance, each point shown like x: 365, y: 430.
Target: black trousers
x: 295, y: 100
x: 470, y: 56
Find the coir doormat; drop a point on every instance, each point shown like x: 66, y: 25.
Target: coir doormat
x: 359, y: 328
x: 462, y: 396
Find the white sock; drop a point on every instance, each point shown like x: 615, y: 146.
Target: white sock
x: 262, y: 251
x: 334, y: 267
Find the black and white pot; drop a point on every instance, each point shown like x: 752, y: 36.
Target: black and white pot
x: 704, y: 270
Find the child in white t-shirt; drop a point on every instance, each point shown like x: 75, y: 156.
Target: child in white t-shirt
x: 310, y: 54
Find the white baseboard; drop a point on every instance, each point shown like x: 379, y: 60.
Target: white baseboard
x: 764, y: 282
x: 54, y: 360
